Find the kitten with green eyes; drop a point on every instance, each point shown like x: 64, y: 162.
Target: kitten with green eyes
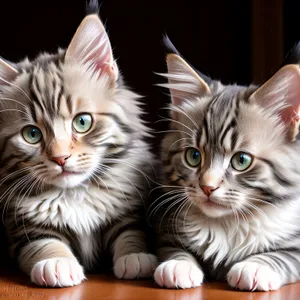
x: 73, y: 175
x: 231, y: 205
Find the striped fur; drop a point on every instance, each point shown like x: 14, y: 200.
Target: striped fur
x: 248, y: 229
x: 64, y: 220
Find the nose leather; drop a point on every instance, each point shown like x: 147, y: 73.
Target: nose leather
x: 208, y: 189
x: 60, y: 160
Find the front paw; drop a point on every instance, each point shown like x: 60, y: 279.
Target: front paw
x: 135, y: 265
x: 57, y: 272
x: 251, y: 276
x: 178, y: 274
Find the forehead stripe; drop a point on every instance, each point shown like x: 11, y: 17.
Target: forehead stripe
x: 33, y: 95
x: 69, y: 103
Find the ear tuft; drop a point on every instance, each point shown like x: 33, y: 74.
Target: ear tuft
x: 91, y: 47
x: 293, y: 57
x: 92, y: 7
x: 7, y: 72
x: 171, y: 49
x: 184, y: 82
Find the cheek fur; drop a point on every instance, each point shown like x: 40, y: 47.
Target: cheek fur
x: 182, y: 171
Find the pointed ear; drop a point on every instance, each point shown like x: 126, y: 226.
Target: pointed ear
x: 281, y: 95
x: 7, y: 72
x: 90, y: 46
x: 184, y: 82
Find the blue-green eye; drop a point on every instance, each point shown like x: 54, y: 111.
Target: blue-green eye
x: 82, y: 123
x: 32, y: 134
x: 193, y: 157
x: 241, y: 161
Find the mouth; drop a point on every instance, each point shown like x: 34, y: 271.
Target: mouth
x: 66, y: 173
x: 213, y: 204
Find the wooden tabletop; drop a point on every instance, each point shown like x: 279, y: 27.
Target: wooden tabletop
x: 14, y: 285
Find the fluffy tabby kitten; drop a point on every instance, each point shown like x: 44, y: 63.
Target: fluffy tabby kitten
x: 231, y: 204
x: 74, y: 163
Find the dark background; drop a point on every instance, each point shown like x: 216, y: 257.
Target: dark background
x: 231, y: 40
x: 213, y: 35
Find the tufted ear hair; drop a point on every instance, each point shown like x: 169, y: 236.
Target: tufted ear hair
x: 293, y: 57
x: 92, y: 7
x: 7, y: 72
x: 91, y: 47
x: 183, y: 82
x: 281, y: 95
x: 171, y: 49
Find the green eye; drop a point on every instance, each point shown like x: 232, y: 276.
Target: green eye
x: 193, y: 157
x: 32, y: 134
x: 82, y: 123
x: 241, y: 161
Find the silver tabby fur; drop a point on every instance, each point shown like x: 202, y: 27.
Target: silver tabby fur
x: 61, y: 226
x: 248, y: 230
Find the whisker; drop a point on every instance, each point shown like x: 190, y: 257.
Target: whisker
x: 181, y: 111
x: 15, y: 109
x: 13, y: 100
x: 159, y: 205
x: 163, y: 195
x: 27, y: 192
x: 17, y: 87
x: 178, y: 141
x: 171, y: 206
x: 175, y: 130
x: 14, y: 173
x: 163, y: 186
x: 11, y: 189
x: 120, y: 189
x: 177, y: 122
x: 114, y: 160
x: 237, y: 219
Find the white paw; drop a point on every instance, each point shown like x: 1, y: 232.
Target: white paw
x: 58, y: 272
x: 135, y: 265
x: 251, y: 276
x: 178, y: 274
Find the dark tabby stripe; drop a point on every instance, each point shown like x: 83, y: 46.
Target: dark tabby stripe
x: 32, y: 84
x: 69, y: 103
x: 117, y: 120
x: 278, y: 175
x: 25, y: 240
x: 231, y: 125
x: 59, y: 97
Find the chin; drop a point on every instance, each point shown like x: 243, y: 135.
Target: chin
x: 69, y: 181
x: 213, y: 211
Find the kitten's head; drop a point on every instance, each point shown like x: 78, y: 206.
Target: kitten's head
x: 64, y: 116
x: 231, y: 148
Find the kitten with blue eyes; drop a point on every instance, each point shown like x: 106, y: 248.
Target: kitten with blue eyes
x: 231, y: 205
x: 75, y: 167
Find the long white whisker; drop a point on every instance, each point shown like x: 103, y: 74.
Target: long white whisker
x: 171, y: 206
x: 179, y: 110
x: 163, y: 195
x: 178, y: 141
x: 177, y: 122
x: 175, y: 130
x: 17, y: 87
x: 15, y: 109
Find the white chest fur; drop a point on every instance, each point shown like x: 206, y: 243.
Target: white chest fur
x: 231, y: 239
x: 82, y: 209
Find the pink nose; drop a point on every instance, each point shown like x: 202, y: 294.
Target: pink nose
x: 208, y: 189
x: 60, y: 160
